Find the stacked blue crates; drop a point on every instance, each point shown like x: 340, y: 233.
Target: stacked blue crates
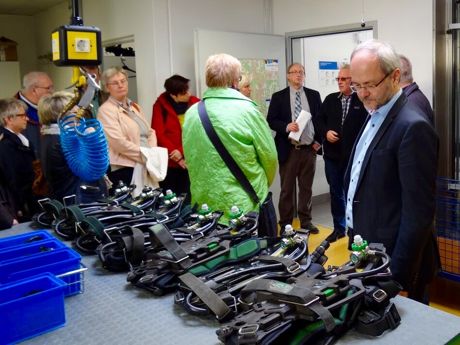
x: 36, y: 272
x: 448, y: 226
x: 31, y: 307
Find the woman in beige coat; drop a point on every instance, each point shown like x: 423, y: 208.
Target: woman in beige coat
x: 125, y: 126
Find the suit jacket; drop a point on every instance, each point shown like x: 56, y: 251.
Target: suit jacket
x: 394, y: 202
x: 330, y: 118
x: 16, y: 169
x: 415, y: 95
x: 280, y: 115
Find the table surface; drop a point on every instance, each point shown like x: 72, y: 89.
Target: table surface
x: 112, y: 311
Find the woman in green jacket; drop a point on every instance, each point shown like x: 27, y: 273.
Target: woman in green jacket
x: 245, y: 134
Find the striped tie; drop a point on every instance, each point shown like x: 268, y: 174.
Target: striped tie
x: 298, y: 105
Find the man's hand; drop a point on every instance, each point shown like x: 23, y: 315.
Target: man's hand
x: 332, y: 136
x: 316, y: 146
x: 292, y: 127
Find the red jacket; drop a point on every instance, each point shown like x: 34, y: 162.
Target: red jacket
x: 167, y: 126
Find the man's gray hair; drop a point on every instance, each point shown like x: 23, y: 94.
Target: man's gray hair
x: 406, y: 70
x: 30, y: 80
x: 10, y: 107
x: 387, y: 56
x: 344, y: 65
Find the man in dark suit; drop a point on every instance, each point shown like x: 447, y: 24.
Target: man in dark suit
x: 390, y: 182
x: 411, y: 89
x: 297, y: 158
x: 341, y: 117
x: 35, y: 86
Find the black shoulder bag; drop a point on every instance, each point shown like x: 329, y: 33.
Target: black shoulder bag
x: 267, y: 215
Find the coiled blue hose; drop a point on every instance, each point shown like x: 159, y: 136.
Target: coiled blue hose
x: 85, y: 147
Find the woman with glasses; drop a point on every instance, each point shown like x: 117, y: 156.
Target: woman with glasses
x: 125, y: 126
x: 16, y: 158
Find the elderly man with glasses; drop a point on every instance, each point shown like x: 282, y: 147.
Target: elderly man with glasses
x: 16, y: 157
x: 390, y: 181
x: 35, y: 85
x: 341, y: 117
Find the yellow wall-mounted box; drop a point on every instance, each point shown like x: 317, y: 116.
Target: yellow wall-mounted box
x: 74, y: 45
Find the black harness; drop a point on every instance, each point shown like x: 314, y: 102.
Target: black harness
x: 213, y: 291
x: 316, y: 308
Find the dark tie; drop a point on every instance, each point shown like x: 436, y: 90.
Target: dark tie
x: 298, y: 105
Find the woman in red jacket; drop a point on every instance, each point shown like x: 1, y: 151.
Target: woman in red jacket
x: 167, y: 119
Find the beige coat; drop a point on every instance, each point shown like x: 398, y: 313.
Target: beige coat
x: 123, y: 133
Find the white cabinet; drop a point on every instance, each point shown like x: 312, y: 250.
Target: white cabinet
x: 10, y: 78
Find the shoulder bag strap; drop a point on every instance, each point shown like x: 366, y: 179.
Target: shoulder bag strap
x: 224, y: 154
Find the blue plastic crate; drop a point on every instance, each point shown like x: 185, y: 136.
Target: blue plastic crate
x: 448, y: 226
x: 24, y: 239
x: 64, y: 263
x: 31, y: 307
x: 36, y: 248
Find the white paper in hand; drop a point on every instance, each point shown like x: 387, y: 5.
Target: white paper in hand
x: 302, y: 120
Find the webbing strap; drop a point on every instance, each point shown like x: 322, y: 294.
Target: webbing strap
x: 162, y: 234
x: 206, y: 294
x: 53, y: 206
x: 241, y: 251
x: 94, y: 225
x: 290, y: 265
x: 374, y: 323
x: 134, y: 246
x: 134, y: 209
x: 302, y: 298
x: 324, y: 314
x: 76, y: 212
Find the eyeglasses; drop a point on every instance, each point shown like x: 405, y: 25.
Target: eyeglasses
x: 118, y: 83
x: 296, y: 72
x: 358, y: 88
x: 21, y: 115
x: 49, y: 88
x: 342, y: 78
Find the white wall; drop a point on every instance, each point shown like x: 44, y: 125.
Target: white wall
x: 407, y: 25
x: 20, y: 29
x: 163, y: 32
x: 10, y: 78
x: 47, y: 21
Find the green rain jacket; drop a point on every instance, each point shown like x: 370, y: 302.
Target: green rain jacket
x: 245, y: 134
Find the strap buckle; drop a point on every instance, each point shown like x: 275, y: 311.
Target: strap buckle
x: 295, y: 266
x: 248, y: 330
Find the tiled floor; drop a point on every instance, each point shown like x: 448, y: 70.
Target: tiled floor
x: 321, y: 214
x: 444, y: 293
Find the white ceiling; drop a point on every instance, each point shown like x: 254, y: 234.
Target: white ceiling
x: 26, y: 7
